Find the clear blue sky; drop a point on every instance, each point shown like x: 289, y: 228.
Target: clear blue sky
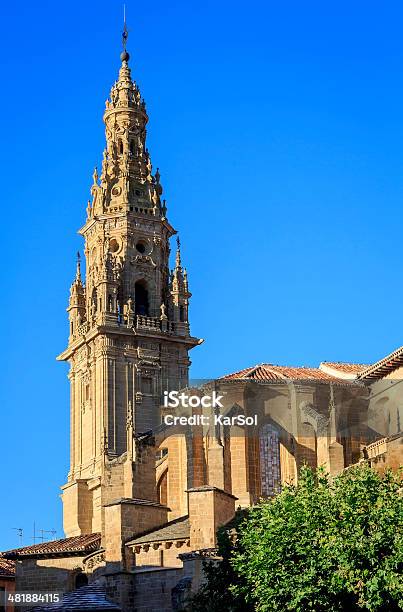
x: 278, y: 129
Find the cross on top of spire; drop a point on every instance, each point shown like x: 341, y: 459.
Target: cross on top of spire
x: 124, y: 56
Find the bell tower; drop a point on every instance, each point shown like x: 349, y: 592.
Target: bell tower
x: 129, y: 334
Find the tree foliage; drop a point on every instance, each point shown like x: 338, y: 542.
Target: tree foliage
x: 326, y: 544
x: 215, y: 594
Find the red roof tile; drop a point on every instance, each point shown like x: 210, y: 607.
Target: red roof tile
x: 348, y: 368
x: 269, y: 372
x: 83, y: 544
x: 7, y: 568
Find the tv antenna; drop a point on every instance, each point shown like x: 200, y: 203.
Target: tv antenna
x: 20, y: 533
x: 42, y: 537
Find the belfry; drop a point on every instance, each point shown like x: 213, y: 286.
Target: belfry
x: 129, y: 335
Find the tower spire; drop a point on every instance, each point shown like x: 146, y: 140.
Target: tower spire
x: 178, y: 253
x: 127, y: 300
x: 125, y: 34
x: 78, y: 269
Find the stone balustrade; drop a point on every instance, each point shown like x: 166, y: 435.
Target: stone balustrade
x: 148, y: 322
x: 140, y: 322
x: 376, y: 449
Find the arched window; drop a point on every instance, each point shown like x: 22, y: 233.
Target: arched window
x: 132, y: 149
x: 141, y: 298
x: 81, y: 580
x: 120, y: 147
x: 181, y: 313
x: 269, y: 447
x: 162, y: 488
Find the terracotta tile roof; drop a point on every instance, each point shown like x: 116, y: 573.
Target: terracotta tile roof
x: 348, y: 368
x: 179, y: 529
x: 270, y: 372
x: 91, y: 597
x: 77, y: 545
x: 384, y: 366
x: 7, y: 568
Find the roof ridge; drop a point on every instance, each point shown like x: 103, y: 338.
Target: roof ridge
x: 347, y: 363
x: 381, y: 362
x: 71, y: 544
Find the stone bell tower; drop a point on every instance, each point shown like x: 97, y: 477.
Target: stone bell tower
x: 129, y: 333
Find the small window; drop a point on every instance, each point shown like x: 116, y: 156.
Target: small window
x: 120, y: 147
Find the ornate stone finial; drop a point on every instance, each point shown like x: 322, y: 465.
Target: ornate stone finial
x: 95, y: 176
x: 178, y: 252
x: 104, y: 164
x: 129, y: 312
x: 158, y: 186
x: 78, y: 269
x: 163, y: 309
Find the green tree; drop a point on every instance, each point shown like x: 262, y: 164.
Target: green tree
x: 326, y: 544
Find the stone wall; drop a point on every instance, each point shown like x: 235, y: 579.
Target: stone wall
x: 55, y: 574
x: 124, y: 519
x: 161, y: 554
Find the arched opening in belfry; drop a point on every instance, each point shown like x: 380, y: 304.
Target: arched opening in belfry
x: 181, y: 313
x: 141, y: 298
x: 269, y: 450
x: 120, y: 147
x: 81, y: 580
x: 132, y: 147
